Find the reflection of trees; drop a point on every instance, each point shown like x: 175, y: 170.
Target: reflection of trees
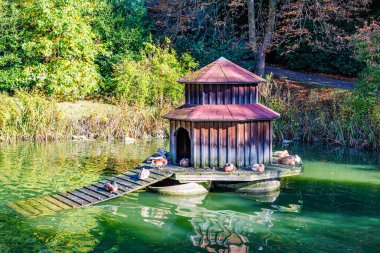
x: 221, y: 230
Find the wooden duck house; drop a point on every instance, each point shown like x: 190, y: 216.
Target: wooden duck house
x: 221, y: 120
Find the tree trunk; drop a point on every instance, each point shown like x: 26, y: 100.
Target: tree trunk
x: 260, y: 62
x: 267, y: 39
x: 252, y: 38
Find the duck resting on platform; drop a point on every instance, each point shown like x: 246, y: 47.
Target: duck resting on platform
x: 144, y: 174
x: 280, y: 154
x: 111, y: 187
x: 290, y: 160
x: 184, y: 162
x: 258, y: 167
x: 229, y: 167
x: 158, y: 161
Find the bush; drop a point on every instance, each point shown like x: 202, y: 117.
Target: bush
x: 152, y: 80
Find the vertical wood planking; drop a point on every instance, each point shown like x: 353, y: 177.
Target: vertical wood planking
x: 214, y: 144
x: 247, y: 144
x: 240, y: 133
x: 205, y: 94
x: 198, y: 99
x: 227, y: 94
x: 187, y: 93
x: 234, y: 94
x: 231, y: 143
x: 212, y: 94
x: 222, y: 144
x: 197, y: 145
x: 260, y: 142
x: 205, y: 134
x: 266, y: 141
x: 246, y: 94
x: 256, y: 94
x: 241, y: 94
x: 270, y: 141
x: 192, y: 94
x: 254, y: 142
x: 219, y: 94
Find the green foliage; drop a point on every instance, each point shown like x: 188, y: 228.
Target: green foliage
x: 67, y: 48
x: 10, y: 41
x: 152, y: 80
x: 59, y: 47
x: 122, y: 27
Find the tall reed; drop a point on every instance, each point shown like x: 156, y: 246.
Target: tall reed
x: 320, y: 114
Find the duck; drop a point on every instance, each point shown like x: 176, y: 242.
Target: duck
x: 184, y: 162
x: 144, y: 174
x: 229, y: 167
x: 280, y: 154
x: 290, y: 160
x: 161, y: 151
x: 258, y: 167
x: 159, y: 161
x: 111, y: 187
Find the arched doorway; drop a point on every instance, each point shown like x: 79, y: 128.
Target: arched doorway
x: 183, y: 144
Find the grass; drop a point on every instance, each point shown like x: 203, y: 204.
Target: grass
x: 308, y: 114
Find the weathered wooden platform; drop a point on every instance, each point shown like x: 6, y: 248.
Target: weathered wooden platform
x: 272, y: 171
x: 88, y: 195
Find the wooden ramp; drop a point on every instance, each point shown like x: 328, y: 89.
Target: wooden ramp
x: 88, y: 195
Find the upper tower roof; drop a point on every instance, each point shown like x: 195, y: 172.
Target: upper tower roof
x: 221, y: 71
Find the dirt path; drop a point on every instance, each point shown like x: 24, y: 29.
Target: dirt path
x: 309, y: 78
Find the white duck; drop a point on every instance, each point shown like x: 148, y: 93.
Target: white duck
x: 144, y: 174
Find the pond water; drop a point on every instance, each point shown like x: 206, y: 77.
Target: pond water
x: 333, y: 207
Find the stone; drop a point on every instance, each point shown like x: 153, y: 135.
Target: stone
x: 180, y: 189
x: 251, y: 187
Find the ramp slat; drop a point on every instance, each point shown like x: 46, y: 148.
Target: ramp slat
x: 66, y: 201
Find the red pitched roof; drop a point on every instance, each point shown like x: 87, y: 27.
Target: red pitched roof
x: 221, y: 71
x: 246, y: 112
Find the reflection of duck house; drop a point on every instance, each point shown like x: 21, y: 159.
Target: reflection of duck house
x: 221, y: 120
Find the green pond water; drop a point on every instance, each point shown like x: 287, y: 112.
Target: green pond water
x: 333, y: 207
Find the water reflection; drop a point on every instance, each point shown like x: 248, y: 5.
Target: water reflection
x: 213, y: 230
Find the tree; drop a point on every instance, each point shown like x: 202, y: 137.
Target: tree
x: 60, y: 47
x: 262, y: 24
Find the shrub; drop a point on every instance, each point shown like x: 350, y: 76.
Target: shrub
x: 152, y: 80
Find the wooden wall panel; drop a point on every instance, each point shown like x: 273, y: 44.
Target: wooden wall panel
x: 197, y: 145
x: 231, y: 155
x: 214, y: 144
x: 240, y: 152
x: 206, y: 144
x: 222, y: 144
x: 247, y: 143
x: 216, y: 94
x: 266, y: 141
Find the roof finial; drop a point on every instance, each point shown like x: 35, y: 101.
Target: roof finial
x: 222, y: 59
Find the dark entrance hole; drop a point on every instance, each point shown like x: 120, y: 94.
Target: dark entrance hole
x: 183, y: 144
